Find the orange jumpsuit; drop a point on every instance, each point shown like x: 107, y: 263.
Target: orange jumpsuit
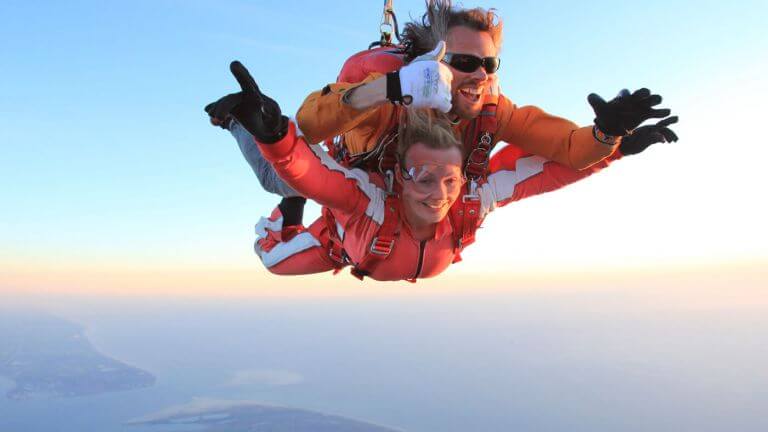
x: 356, y: 198
x: 324, y: 115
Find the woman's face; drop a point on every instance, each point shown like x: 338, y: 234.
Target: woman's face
x: 431, y: 182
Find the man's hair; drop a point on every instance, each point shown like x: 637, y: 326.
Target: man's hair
x: 419, y: 125
x: 421, y: 37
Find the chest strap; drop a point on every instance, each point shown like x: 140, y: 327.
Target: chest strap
x: 380, y: 248
x: 383, y: 242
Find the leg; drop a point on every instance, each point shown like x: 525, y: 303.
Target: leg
x: 269, y: 180
x: 304, y: 253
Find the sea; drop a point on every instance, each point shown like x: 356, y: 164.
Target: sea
x: 575, y: 360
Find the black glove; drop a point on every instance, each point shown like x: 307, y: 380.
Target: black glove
x: 259, y: 114
x: 220, y: 110
x: 644, y: 136
x: 626, y: 111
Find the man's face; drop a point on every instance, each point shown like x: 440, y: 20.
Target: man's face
x: 467, y: 88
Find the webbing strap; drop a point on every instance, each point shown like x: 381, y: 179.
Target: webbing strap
x: 465, y: 214
x: 384, y: 241
x: 484, y: 127
x: 464, y: 218
x: 335, y: 247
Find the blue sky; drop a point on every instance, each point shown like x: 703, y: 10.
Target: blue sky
x: 107, y: 155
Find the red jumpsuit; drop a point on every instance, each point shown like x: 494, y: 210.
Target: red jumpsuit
x: 357, y: 200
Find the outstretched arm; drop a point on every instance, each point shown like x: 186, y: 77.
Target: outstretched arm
x: 523, y: 177
x: 551, y: 137
x: 308, y: 169
x: 562, y: 141
x: 313, y: 173
x: 515, y: 175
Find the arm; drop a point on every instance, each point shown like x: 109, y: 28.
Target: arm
x: 548, y: 136
x: 423, y: 83
x: 309, y: 170
x: 514, y: 177
x: 315, y: 175
x: 325, y: 113
x: 562, y: 141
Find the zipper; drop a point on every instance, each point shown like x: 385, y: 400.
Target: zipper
x: 422, y: 246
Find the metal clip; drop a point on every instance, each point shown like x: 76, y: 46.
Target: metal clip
x: 389, y: 180
x: 486, y: 139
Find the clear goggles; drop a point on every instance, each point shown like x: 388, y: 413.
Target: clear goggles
x: 428, y: 178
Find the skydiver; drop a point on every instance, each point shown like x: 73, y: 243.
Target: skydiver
x: 407, y: 229
x: 459, y: 78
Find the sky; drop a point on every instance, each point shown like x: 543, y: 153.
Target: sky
x: 114, y: 182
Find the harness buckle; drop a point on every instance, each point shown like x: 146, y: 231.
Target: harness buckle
x: 337, y: 255
x: 477, y: 162
x: 382, y: 247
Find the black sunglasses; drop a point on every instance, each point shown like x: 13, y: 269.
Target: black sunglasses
x: 469, y: 63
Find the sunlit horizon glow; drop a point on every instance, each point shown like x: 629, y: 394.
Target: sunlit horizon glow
x: 137, y: 195
x: 37, y: 280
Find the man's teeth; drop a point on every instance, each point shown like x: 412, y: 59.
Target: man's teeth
x: 472, y: 94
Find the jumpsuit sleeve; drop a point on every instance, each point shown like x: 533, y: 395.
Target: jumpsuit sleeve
x: 551, y: 137
x: 324, y: 114
x: 514, y: 177
x: 314, y: 174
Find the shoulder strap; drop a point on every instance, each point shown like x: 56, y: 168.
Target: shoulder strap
x: 484, y: 128
x: 464, y: 217
x: 466, y: 213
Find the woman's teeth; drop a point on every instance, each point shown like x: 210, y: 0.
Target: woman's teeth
x: 434, y: 206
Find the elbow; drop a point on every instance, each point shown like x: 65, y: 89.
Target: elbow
x: 306, y: 124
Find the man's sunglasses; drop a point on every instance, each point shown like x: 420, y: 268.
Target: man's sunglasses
x: 468, y: 63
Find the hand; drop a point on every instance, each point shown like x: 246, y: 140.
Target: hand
x: 258, y: 113
x: 220, y: 110
x: 626, y: 111
x: 426, y: 81
x: 645, y: 136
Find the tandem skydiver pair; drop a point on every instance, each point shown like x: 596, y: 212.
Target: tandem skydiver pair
x: 407, y: 176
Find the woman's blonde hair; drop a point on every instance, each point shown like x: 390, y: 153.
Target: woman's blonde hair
x: 428, y: 127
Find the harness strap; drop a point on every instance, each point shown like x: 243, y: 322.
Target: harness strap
x: 384, y: 241
x: 335, y: 247
x: 484, y: 129
x: 465, y: 215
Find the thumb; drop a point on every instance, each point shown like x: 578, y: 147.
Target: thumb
x: 439, y: 51
x: 667, y: 121
x: 596, y: 101
x: 436, y: 54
